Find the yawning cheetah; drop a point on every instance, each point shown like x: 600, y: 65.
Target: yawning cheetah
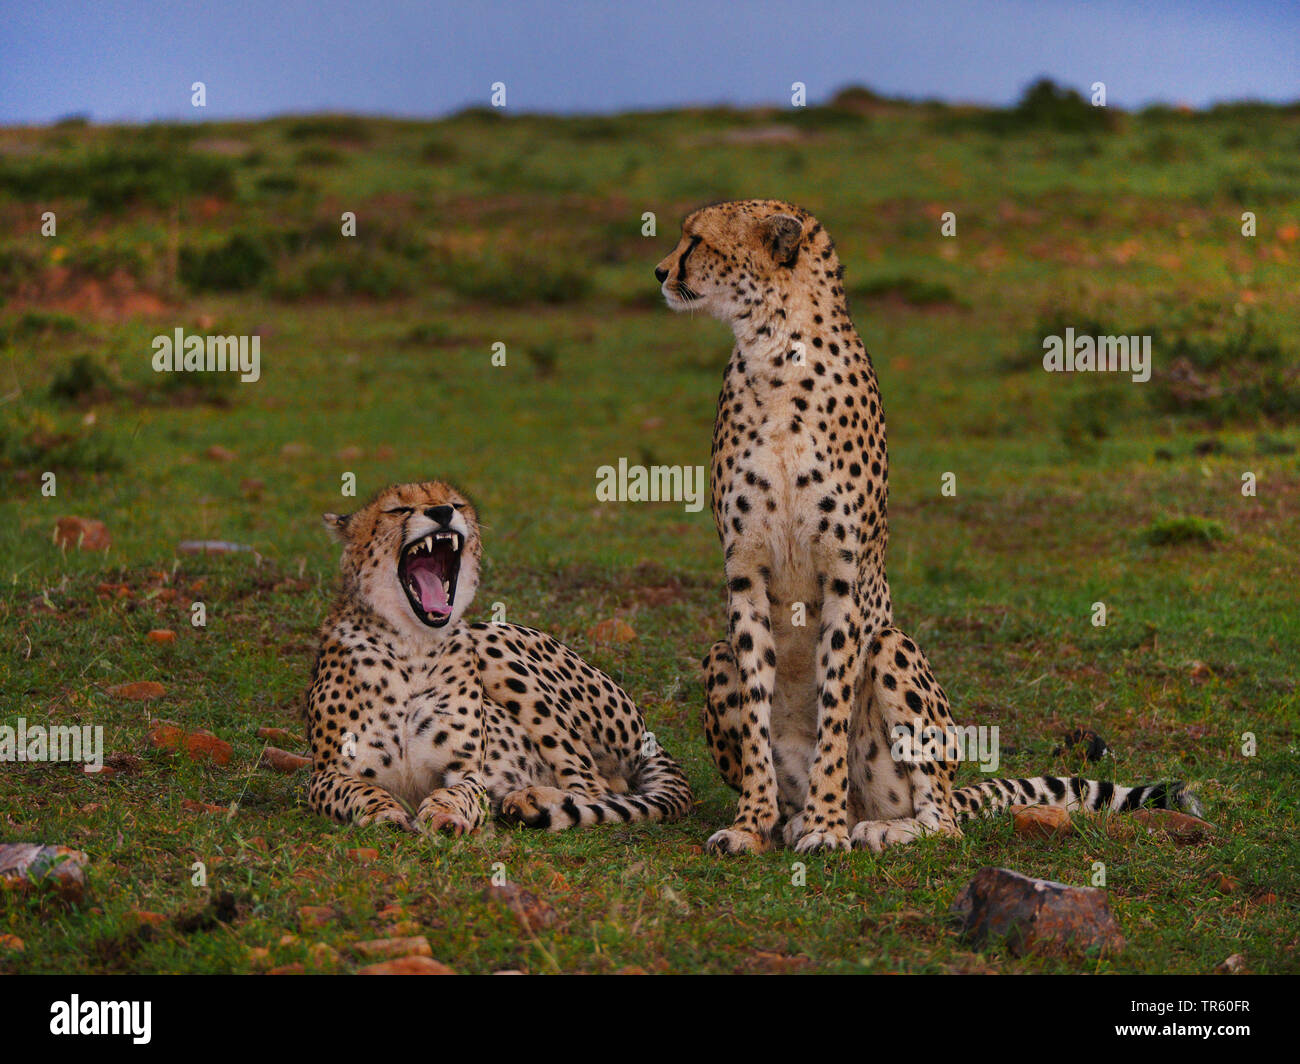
x: 417, y: 718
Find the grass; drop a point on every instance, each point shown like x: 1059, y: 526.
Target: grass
x: 377, y: 360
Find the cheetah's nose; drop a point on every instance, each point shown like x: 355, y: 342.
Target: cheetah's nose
x: 661, y: 274
x: 441, y: 514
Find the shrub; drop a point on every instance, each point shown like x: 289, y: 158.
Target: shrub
x: 235, y: 266
x: 1169, y: 531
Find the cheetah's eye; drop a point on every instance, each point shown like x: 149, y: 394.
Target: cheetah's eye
x: 400, y: 510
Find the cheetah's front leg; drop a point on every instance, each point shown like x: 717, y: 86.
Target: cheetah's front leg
x: 345, y: 798
x: 754, y: 650
x: 824, y: 820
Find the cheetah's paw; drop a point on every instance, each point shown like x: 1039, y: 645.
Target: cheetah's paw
x: 735, y: 840
x: 396, y: 816
x: 529, y: 803
x: 821, y: 840
x: 446, y: 823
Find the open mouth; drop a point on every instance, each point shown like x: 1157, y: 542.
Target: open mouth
x: 427, y: 570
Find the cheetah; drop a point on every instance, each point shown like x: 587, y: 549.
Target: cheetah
x: 424, y: 721
x: 805, y: 719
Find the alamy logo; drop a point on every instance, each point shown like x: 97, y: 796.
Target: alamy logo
x: 654, y: 484
x: 928, y: 742
x: 1098, y: 354
x: 102, y: 1017
x: 61, y: 742
x: 195, y: 354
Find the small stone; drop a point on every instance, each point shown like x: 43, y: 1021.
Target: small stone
x: 1034, y: 915
x: 283, y: 761
x: 295, y: 450
x: 531, y: 911
x: 258, y: 956
x: 204, y: 746
x: 278, y: 735
x: 363, y: 855
x: 143, y: 918
x: 297, y: 968
x: 613, y: 630
x: 417, y: 965
x: 81, y: 533
x: 315, y: 915
x: 191, y: 806
x: 323, y: 956
x: 349, y: 454
x: 1041, y: 821
x: 1184, y: 829
x: 139, y: 691
x: 220, y: 454
x: 417, y: 945
x: 161, y: 635
x: 12, y: 943
x: 1234, y: 965
x: 26, y: 866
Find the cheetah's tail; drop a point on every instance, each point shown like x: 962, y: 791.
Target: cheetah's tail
x: 1074, y: 792
x: 658, y: 791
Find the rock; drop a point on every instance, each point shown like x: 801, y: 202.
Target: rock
x: 26, y: 866
x: 295, y: 450
x: 350, y: 453
x: 82, y: 533
x: 190, y: 805
x: 297, y: 968
x: 531, y: 911
x: 417, y: 945
x: 278, y: 735
x: 144, y: 918
x: 613, y: 630
x: 315, y: 915
x: 139, y: 691
x: 166, y: 734
x: 12, y: 944
x: 417, y: 965
x: 1234, y: 965
x: 204, y: 746
x: 161, y: 635
x: 1184, y: 829
x: 1034, y: 915
x: 323, y: 956
x: 1041, y: 821
x: 363, y: 855
x: 258, y: 956
x: 220, y: 454
x: 283, y: 761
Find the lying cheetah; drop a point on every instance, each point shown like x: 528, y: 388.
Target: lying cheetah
x: 802, y: 718
x: 412, y: 709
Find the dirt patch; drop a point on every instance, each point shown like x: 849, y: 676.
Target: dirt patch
x: 111, y: 298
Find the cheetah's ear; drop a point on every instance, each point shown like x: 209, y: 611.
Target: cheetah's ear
x: 783, y: 233
x: 337, y: 525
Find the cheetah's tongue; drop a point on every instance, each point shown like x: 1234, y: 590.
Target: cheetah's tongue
x: 428, y: 580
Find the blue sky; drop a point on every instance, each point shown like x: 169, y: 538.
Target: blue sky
x: 136, y: 61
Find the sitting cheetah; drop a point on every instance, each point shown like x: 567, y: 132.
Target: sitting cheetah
x: 411, y: 709
x: 801, y: 717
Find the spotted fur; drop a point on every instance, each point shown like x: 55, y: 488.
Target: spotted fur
x: 801, y: 719
x: 419, y: 719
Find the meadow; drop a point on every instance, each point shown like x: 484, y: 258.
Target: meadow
x: 529, y: 231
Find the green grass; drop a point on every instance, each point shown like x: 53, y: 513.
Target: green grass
x: 377, y: 360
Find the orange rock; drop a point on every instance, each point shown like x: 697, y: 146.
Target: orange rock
x: 297, y: 968
x: 323, y: 955
x: 613, y: 630
x: 113, y: 590
x: 364, y: 855
x: 192, y: 806
x: 141, y: 917
x: 139, y: 691
x: 1041, y: 821
x: 220, y: 454
x: 166, y: 734
x: 315, y: 915
x: 283, y: 761
x: 258, y: 956
x: 417, y: 965
x: 278, y: 735
x: 161, y: 635
x: 203, y: 745
x: 1181, y: 827
x: 83, y: 533
x: 12, y: 943
x: 417, y: 945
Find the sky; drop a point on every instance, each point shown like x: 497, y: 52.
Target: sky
x: 136, y: 61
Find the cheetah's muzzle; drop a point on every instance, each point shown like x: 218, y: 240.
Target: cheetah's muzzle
x: 427, y: 571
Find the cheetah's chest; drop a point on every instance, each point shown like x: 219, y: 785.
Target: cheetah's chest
x: 404, y: 745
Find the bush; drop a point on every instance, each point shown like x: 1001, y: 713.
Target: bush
x: 81, y: 379
x: 239, y: 264
x: 1048, y: 106
x: 1170, y: 531
x: 118, y: 178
